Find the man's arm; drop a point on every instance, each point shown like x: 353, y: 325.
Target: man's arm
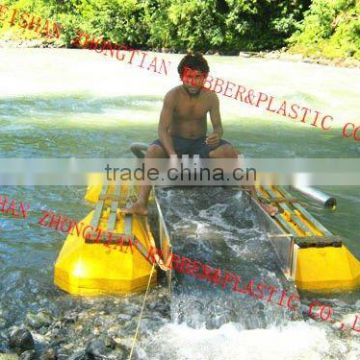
x: 215, y: 136
x: 165, y: 122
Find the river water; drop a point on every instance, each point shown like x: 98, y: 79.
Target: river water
x: 62, y: 103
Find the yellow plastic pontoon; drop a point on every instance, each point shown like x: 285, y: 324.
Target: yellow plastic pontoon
x: 310, y: 255
x: 91, y: 263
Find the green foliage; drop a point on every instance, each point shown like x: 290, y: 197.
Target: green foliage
x: 218, y: 25
x: 330, y: 29
x: 37, y: 8
x: 184, y: 24
x: 116, y: 20
x: 261, y: 24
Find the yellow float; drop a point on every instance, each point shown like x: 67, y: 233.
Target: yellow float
x: 310, y: 255
x: 94, y: 264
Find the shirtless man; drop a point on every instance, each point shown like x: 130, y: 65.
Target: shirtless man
x: 183, y: 126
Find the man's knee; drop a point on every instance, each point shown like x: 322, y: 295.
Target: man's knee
x: 156, y: 151
x: 231, y: 152
x: 224, y: 151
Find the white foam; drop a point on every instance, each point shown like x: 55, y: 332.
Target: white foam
x: 296, y: 340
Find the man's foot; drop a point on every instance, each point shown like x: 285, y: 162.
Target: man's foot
x: 270, y: 209
x: 138, y: 208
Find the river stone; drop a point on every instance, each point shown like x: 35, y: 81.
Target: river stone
x: 351, y: 62
x: 48, y: 354
x: 121, y: 355
x: 21, y: 340
x: 110, y: 343
x: 80, y: 355
x: 124, y: 317
x: 70, y: 318
x: 36, y: 321
x: 161, y: 307
x: 28, y: 355
x: 97, y: 347
x: 8, y: 357
x: 2, y: 323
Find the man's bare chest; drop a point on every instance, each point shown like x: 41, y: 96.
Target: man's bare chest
x: 191, y: 110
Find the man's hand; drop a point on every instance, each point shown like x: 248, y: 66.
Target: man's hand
x: 213, y: 139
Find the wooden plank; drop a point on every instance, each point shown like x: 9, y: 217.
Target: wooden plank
x: 114, y: 206
x: 128, y: 224
x: 307, y: 215
x: 311, y: 219
x: 295, y: 218
x: 318, y: 241
x: 139, y: 246
x: 115, y: 238
x: 99, y: 208
x: 285, y: 224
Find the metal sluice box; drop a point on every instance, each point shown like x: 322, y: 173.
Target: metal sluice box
x: 309, y: 254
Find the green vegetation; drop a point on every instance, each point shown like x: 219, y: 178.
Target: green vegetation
x: 331, y: 29
x: 328, y: 28
x: 227, y: 26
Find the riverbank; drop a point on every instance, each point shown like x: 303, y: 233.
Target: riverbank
x: 282, y: 55
x: 285, y: 55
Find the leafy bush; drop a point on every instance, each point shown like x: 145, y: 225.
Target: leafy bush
x: 261, y: 24
x: 184, y: 24
x: 330, y: 29
x: 37, y: 8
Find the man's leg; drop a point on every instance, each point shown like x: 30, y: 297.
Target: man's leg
x: 228, y: 151
x: 140, y: 206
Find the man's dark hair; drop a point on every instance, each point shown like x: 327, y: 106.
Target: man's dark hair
x: 194, y: 61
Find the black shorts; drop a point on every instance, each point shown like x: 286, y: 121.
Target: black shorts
x: 191, y: 147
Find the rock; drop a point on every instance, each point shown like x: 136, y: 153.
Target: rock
x: 78, y: 356
x: 272, y: 55
x: 62, y: 354
x: 58, y: 336
x: 28, y: 355
x: 99, y: 346
x: 48, y: 354
x: 117, y: 330
x: 21, y: 340
x: 123, y: 349
x: 36, y: 321
x: 323, y: 61
x: 124, y: 317
x: 121, y: 355
x: 351, y: 62
x: 339, y: 62
x: 2, y: 323
x: 110, y: 343
x: 291, y: 57
x: 99, y: 321
x: 163, y: 308
x: 246, y: 54
x: 8, y: 356
x: 95, y: 348
x: 308, y: 60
